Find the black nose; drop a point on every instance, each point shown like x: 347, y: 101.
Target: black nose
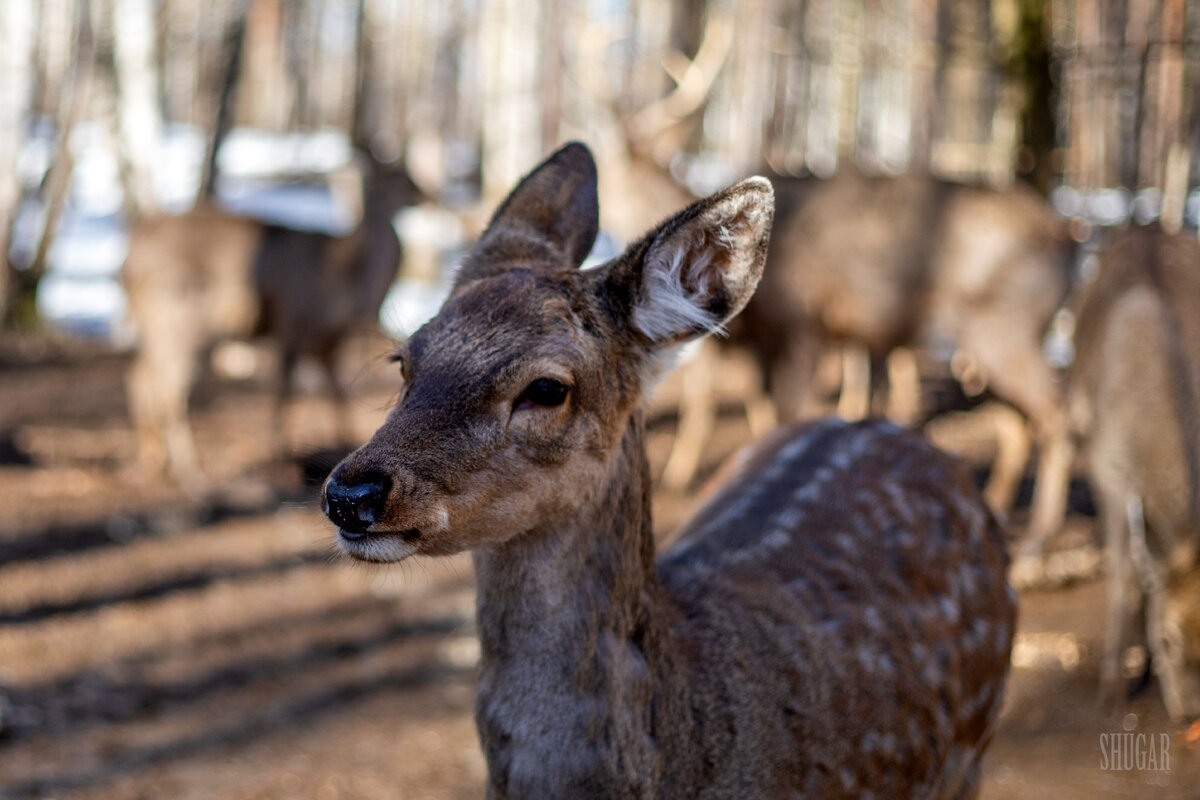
x: 355, y: 506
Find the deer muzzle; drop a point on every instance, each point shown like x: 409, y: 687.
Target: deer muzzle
x: 355, y: 505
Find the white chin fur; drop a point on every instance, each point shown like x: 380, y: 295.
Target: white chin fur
x: 377, y: 547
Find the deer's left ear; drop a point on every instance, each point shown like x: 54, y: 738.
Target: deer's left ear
x: 698, y: 269
x: 555, y: 206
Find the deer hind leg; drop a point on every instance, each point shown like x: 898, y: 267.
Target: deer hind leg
x: 181, y: 444
x: 343, y: 422
x: 181, y: 451
x: 1181, y: 632
x: 283, y: 401
x: 147, y: 415
x: 761, y: 414
x: 1013, y: 445
x: 1055, y: 454
x: 1018, y: 374
x: 159, y: 384
x: 1122, y: 594
x: 1166, y: 652
x: 790, y: 374
x: 697, y: 417
x: 904, y: 386
x: 855, y: 400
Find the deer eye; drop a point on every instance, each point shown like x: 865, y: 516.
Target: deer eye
x: 545, y: 392
x: 398, y: 360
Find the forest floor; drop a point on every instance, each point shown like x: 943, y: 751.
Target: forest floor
x: 155, y: 644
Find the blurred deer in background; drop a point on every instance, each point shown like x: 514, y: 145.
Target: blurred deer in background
x: 879, y: 265
x: 315, y: 290
x: 1135, y: 392
x: 875, y: 266
x: 196, y: 278
x: 835, y: 623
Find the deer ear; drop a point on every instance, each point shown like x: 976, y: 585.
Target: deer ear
x: 698, y: 269
x: 553, y: 205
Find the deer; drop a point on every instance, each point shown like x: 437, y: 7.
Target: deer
x: 879, y: 265
x: 1135, y: 401
x: 316, y: 290
x: 835, y: 623
x: 208, y: 274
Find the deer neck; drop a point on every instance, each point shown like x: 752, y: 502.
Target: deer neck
x: 572, y: 637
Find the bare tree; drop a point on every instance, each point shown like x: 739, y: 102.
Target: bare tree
x: 1173, y: 128
x: 16, y: 100
x: 511, y: 72
x: 1030, y: 64
x: 138, y: 118
x: 232, y: 48
x: 74, y: 100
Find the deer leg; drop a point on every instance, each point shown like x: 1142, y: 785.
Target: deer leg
x: 181, y: 450
x: 1017, y: 373
x: 761, y: 414
x: 788, y: 378
x: 283, y: 398
x: 149, y: 421
x: 1165, y: 657
x: 697, y: 418
x: 160, y: 382
x: 1055, y: 454
x: 1181, y: 635
x: 855, y: 400
x: 904, y: 386
x: 1119, y: 579
x: 1012, y: 454
x: 337, y: 393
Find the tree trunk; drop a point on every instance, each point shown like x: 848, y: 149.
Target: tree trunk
x: 17, y: 34
x: 1031, y: 64
x: 54, y: 36
x: 362, y: 120
x: 235, y: 37
x: 138, y: 120
x: 77, y: 90
x: 299, y: 32
x: 926, y: 68
x: 511, y: 124
x: 1173, y: 154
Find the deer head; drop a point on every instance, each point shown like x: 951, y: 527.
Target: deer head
x: 517, y: 394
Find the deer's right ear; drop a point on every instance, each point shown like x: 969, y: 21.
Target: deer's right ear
x: 696, y: 270
x: 555, y: 205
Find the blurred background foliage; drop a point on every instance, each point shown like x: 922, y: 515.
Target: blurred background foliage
x: 113, y: 110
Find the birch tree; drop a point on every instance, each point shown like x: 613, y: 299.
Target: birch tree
x: 16, y: 95
x: 511, y: 125
x: 74, y: 101
x: 138, y: 120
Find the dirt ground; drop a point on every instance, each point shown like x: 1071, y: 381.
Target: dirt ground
x: 155, y: 644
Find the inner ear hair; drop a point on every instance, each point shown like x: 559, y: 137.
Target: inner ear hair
x: 699, y: 268
x: 679, y: 287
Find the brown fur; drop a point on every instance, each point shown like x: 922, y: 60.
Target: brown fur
x: 206, y: 275
x: 836, y: 622
x: 1136, y: 392
x: 186, y: 280
x: 882, y: 263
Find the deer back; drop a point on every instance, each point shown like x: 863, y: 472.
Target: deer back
x: 193, y: 266
x: 852, y: 257
x: 850, y: 576
x: 314, y: 287
x: 838, y: 621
